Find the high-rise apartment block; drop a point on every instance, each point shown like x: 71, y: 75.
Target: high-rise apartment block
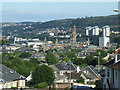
x: 90, y: 31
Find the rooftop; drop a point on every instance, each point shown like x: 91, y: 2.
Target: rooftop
x: 117, y: 51
x: 8, y: 74
x: 66, y: 66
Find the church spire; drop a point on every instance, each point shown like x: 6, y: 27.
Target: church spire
x: 74, y: 35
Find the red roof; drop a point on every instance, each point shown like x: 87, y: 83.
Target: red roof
x: 117, y: 51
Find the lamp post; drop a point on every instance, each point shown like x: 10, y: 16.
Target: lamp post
x: 99, y: 61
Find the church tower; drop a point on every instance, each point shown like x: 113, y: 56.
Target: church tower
x: 56, y: 42
x: 74, y: 35
x: 45, y: 45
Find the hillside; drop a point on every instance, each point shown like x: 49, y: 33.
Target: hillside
x: 80, y: 23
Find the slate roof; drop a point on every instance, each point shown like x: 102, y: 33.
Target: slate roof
x: 54, y: 68
x: 59, y: 77
x: 92, y: 72
x: 73, y: 75
x: 66, y: 66
x: 7, y: 74
x: 23, y: 49
x: 115, y: 66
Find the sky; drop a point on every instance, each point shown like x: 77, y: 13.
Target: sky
x: 46, y: 11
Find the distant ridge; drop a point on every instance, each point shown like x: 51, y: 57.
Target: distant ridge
x: 100, y: 21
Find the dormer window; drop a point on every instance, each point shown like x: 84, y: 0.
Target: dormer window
x: 61, y: 72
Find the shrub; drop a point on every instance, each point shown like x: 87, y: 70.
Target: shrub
x: 42, y: 85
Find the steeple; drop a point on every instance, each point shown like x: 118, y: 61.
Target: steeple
x: 74, y: 35
x: 56, y: 41
x: 45, y: 47
x: 45, y: 39
x: 88, y: 42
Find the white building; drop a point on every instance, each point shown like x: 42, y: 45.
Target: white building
x: 19, y: 39
x: 104, y: 41
x: 112, y: 73
x: 106, y: 31
x: 92, y: 30
x: 87, y: 29
x: 96, y: 30
x: 51, y: 34
x: 34, y: 43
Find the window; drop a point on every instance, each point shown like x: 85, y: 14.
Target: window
x: 118, y: 57
x: 108, y: 73
x: 116, y: 74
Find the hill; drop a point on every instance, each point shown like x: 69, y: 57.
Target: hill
x: 100, y: 21
x: 65, y: 24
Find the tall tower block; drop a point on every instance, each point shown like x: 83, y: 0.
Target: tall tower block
x: 74, y: 35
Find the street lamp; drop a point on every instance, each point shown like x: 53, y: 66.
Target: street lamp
x: 99, y: 61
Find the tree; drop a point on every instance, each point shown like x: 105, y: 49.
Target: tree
x: 65, y: 59
x: 2, y: 42
x: 25, y: 55
x: 80, y: 79
x: 13, y: 61
x: 51, y: 58
x: 41, y: 85
x: 42, y: 74
x: 111, y: 51
x: 99, y: 85
x: 101, y: 52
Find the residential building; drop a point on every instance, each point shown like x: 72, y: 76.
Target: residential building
x: 90, y: 74
x: 95, y: 30
x: 10, y: 78
x: 112, y: 73
x: 88, y: 29
x: 66, y: 72
x: 106, y: 31
x: 104, y: 41
x: 34, y: 43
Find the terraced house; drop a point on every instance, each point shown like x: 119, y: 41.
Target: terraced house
x: 112, y: 73
x: 10, y: 78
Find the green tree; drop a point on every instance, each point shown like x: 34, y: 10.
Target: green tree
x: 13, y: 61
x: 25, y: 55
x: 80, y: 80
x: 41, y: 85
x: 2, y: 42
x: 51, y: 58
x: 42, y: 74
x: 99, y: 85
x: 101, y: 52
x: 110, y: 51
x: 65, y: 59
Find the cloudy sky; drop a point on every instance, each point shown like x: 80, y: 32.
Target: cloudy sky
x: 45, y: 11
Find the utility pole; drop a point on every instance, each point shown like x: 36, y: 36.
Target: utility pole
x: 99, y: 61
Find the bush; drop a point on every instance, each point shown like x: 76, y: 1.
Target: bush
x: 99, y: 84
x: 14, y: 87
x: 42, y: 74
x: 25, y: 55
x: 81, y: 80
x: 42, y: 85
